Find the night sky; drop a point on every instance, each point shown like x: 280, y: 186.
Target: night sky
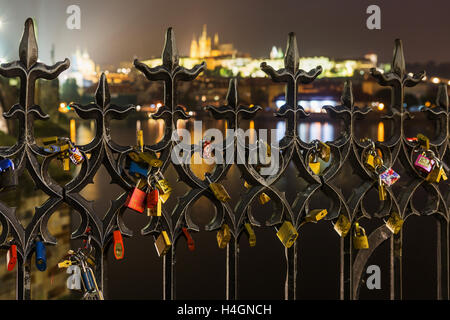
x: 117, y: 30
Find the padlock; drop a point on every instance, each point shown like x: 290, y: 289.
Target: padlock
x: 369, y: 160
x: 436, y: 174
x: 287, y: 234
x: 314, y: 164
x: 11, y: 257
x: 137, y: 171
x: 155, y: 211
x: 136, y: 199
x: 423, y: 163
x: 140, y: 140
x: 75, y: 154
x: 360, y: 240
x: 219, y: 192
x: 342, y: 226
x: 162, y: 184
x: 395, y: 223
x: 65, y: 264
x: 389, y: 176
x: 189, y: 240
x: 8, y: 178
x: 381, y: 190
x: 162, y: 243
x: 151, y: 159
x: 223, y: 236
x: 324, y: 151
x: 251, y: 234
x: 263, y: 198
x: 154, y: 207
x: 119, y: 249
x: 49, y: 141
x: 207, y: 150
x: 316, y: 215
x: 423, y: 141
x: 41, y: 257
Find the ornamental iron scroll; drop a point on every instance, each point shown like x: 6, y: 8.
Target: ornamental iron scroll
x: 346, y: 149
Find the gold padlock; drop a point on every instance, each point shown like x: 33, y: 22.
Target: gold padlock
x: 395, y: 223
x: 219, y: 192
x: 324, y: 151
x: 151, y: 159
x: 287, y: 234
x: 314, y: 164
x: 140, y: 140
x: 162, y: 243
x: 251, y: 234
x: 381, y: 190
x: 263, y: 198
x: 223, y: 236
x: 66, y: 164
x: 316, y: 215
x: 369, y: 161
x: 342, y: 226
x: 360, y: 240
x: 162, y: 184
x: 435, y: 175
x: 156, y: 211
x: 423, y: 141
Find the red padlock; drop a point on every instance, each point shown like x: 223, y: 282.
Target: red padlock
x: 119, y: 249
x: 11, y: 257
x: 152, y: 199
x: 136, y: 200
x: 190, y: 241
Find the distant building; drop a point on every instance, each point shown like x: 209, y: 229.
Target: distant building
x: 203, y: 47
x: 82, y: 69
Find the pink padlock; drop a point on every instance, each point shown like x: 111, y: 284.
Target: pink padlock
x: 424, y: 164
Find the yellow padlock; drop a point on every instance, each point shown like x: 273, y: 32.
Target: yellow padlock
x: 360, y: 240
x: 263, y: 198
x: 395, y: 223
x: 223, y: 236
x: 219, y: 192
x: 424, y: 142
x: 251, y: 234
x: 314, y: 164
x: 342, y: 226
x: 65, y: 264
x: 162, y: 243
x: 324, y: 151
x: 287, y: 234
x: 316, y: 215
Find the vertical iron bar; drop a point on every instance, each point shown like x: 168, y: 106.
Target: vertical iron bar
x: 291, y: 274
x: 232, y: 270
x: 442, y: 260
x: 23, y: 283
x: 396, y: 292
x: 346, y: 268
x: 169, y: 275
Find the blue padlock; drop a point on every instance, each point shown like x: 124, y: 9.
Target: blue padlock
x: 6, y: 164
x: 136, y: 170
x: 41, y: 257
x: 8, y: 178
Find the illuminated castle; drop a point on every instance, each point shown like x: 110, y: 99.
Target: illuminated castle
x: 205, y: 48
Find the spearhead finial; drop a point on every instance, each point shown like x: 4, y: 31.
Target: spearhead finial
x: 170, y: 53
x: 398, y: 64
x: 102, y: 96
x: 347, y: 95
x: 292, y: 57
x: 28, y: 49
x: 442, y: 96
x: 232, y: 95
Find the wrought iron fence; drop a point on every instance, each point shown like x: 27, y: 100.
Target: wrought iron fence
x: 27, y: 155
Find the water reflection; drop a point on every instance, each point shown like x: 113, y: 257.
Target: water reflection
x: 381, y: 131
x: 308, y: 132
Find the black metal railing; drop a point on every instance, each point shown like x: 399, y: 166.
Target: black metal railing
x: 397, y: 149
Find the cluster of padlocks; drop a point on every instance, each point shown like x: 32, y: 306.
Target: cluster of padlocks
x: 152, y: 190
x: 79, y: 264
